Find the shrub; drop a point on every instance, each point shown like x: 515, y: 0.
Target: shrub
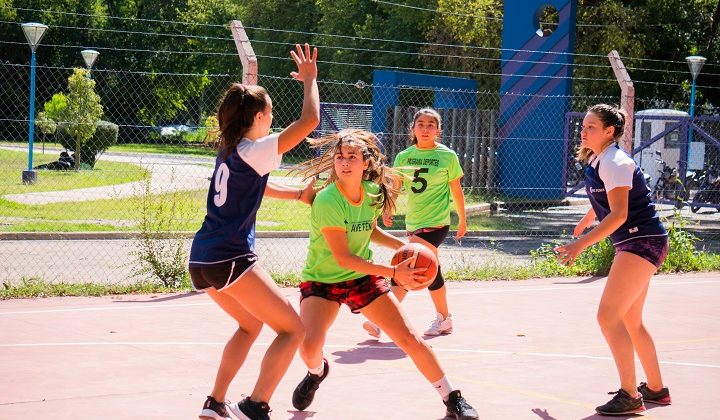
x: 160, y: 251
x: 106, y: 134
x: 683, y: 254
x: 596, y: 260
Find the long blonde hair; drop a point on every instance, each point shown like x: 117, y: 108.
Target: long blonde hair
x: 610, y: 116
x: 377, y: 171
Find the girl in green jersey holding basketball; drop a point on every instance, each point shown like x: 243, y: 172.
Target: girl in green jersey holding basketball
x: 431, y: 175
x: 339, y: 267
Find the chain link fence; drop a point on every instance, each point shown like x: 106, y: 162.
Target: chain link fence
x: 134, y: 212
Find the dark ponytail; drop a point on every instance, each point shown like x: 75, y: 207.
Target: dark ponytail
x: 610, y: 116
x: 236, y: 114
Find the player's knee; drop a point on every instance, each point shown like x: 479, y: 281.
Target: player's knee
x: 409, y: 341
x: 607, y: 318
x: 438, y: 282
x: 296, y: 333
x: 251, y: 330
x: 312, y: 343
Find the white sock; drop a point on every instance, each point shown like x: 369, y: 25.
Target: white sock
x: 318, y: 371
x: 443, y: 387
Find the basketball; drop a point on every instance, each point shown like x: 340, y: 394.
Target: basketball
x: 425, y: 259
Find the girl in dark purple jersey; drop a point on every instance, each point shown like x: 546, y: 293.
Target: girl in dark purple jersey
x: 620, y: 200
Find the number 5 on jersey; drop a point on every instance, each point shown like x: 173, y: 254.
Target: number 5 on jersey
x: 417, y: 178
x: 221, y: 180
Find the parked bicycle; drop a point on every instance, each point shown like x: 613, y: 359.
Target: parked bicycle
x: 668, y: 186
x: 708, y: 190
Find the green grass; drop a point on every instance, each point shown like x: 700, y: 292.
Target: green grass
x: 175, y: 149
x: 35, y: 288
x: 121, y: 215
x: 105, y: 173
x: 56, y: 227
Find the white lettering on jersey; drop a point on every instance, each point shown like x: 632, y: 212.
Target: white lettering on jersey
x: 221, y: 180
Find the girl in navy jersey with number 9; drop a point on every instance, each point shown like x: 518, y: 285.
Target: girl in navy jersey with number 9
x: 620, y: 199
x: 222, y: 258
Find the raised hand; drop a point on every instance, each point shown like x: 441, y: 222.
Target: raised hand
x: 306, y: 63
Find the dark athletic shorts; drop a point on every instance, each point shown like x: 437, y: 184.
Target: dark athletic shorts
x: 653, y: 249
x: 356, y: 294
x: 221, y: 275
x: 436, y: 236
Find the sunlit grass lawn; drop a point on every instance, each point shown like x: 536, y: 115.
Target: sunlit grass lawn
x: 122, y: 215
x: 176, y: 149
x: 104, y: 173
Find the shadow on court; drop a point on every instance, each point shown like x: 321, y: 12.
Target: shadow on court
x: 369, y: 350
x: 581, y: 281
x: 520, y: 350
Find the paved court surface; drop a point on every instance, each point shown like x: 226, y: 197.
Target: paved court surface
x: 521, y: 350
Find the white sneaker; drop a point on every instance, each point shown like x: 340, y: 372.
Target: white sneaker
x: 372, y: 329
x: 440, y: 326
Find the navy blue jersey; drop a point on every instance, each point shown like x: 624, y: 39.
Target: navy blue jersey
x: 615, y: 168
x: 236, y: 191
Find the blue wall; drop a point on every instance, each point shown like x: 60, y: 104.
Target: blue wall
x: 536, y: 80
x: 456, y: 92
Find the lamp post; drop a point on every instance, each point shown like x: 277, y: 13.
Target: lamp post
x: 695, y: 62
x: 89, y: 56
x: 34, y: 33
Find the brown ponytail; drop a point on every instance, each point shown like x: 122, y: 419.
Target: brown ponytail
x: 236, y: 114
x: 611, y: 116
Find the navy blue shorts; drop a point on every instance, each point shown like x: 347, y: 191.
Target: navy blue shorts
x: 653, y: 249
x: 221, y: 275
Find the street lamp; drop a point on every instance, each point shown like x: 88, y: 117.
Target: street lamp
x: 34, y: 33
x: 695, y: 62
x: 89, y: 56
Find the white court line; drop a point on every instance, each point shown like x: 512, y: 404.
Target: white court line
x: 455, y: 293
x: 107, y: 308
x: 341, y: 346
x: 570, y: 287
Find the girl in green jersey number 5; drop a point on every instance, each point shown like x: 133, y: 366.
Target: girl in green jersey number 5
x: 339, y: 267
x: 431, y: 174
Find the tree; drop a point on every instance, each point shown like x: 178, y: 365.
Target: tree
x: 46, y: 125
x: 83, y: 110
x: 47, y: 119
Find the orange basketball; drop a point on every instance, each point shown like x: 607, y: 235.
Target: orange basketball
x: 425, y: 259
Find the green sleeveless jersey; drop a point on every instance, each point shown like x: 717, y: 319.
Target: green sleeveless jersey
x: 332, y: 210
x: 426, y: 176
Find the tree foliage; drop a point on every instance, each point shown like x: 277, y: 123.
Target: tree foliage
x: 142, y: 42
x: 82, y: 113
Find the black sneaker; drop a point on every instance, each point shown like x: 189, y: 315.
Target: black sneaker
x: 251, y: 410
x: 458, y: 408
x: 621, y: 404
x: 661, y: 397
x: 305, y: 391
x: 214, y: 410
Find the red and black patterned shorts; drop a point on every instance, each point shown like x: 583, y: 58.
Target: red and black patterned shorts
x: 356, y: 294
